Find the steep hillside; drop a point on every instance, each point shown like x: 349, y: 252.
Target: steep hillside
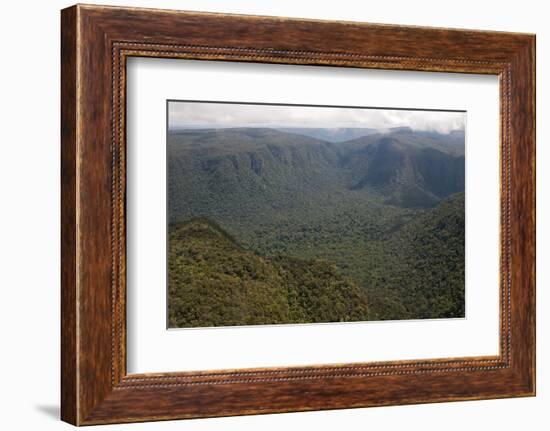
x: 213, y: 281
x: 407, y: 175
x: 421, y: 268
x: 235, y: 171
x: 238, y: 171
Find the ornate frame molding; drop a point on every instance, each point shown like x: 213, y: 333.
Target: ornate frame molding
x: 96, y: 41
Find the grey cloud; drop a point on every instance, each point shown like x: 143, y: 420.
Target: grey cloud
x: 218, y: 115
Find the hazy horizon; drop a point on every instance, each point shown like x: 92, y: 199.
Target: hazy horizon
x: 219, y: 115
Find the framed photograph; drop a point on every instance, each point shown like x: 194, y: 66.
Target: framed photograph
x: 263, y: 214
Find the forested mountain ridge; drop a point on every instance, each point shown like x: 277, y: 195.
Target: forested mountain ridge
x: 410, y: 176
x: 275, y: 169
x: 214, y: 281
x: 241, y: 170
x: 339, y: 134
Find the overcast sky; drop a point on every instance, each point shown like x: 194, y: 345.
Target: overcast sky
x: 220, y: 115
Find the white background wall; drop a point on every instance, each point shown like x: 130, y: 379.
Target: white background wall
x: 29, y: 215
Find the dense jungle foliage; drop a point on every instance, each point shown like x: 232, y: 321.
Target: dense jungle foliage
x: 280, y: 226
x: 213, y: 281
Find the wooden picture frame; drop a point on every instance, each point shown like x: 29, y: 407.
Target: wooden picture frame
x: 95, y: 43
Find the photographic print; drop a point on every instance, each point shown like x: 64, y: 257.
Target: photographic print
x: 297, y: 214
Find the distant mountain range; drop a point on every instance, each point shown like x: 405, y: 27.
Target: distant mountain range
x: 250, y: 169
x: 331, y: 134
